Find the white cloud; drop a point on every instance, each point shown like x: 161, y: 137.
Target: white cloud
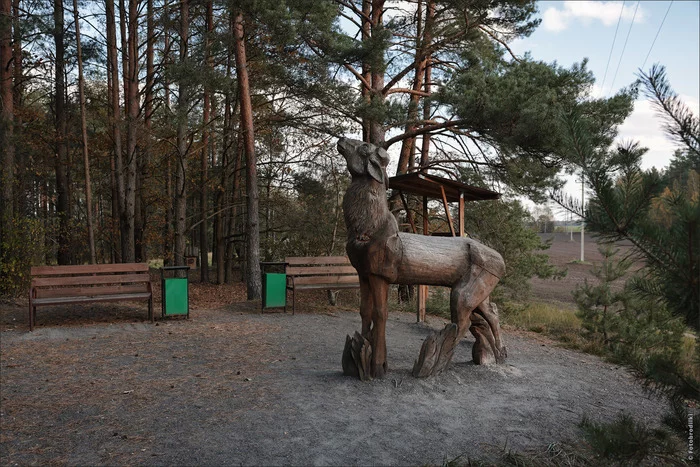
x: 608, y: 13
x: 645, y: 126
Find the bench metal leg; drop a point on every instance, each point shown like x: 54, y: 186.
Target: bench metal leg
x: 32, y: 312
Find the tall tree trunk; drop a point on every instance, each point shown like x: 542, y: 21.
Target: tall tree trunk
x: 376, y: 128
x: 222, y: 241
x: 142, y: 173
x: 168, y: 253
x: 203, y: 194
x: 430, y: 15
x: 132, y: 99
x: 181, y: 170
x: 62, y: 202
x: 22, y: 201
x: 253, y: 279
x: 366, y: 67
x: 408, y: 145
x: 84, y: 137
x: 115, y: 123
x: 235, y: 196
x: 7, y: 176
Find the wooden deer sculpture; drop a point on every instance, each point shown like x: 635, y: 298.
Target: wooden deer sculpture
x: 382, y: 255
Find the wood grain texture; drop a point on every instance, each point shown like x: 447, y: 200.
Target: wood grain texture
x: 88, y: 269
x: 382, y: 255
x: 61, y: 285
x: 301, y: 260
x: 436, y: 352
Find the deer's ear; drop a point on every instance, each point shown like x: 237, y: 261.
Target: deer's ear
x: 375, y: 169
x: 383, y: 156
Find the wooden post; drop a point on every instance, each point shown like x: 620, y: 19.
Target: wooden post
x: 408, y: 213
x: 422, y: 297
x: 461, y: 214
x: 447, y: 211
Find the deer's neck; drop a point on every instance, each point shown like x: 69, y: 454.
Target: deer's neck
x: 366, y: 211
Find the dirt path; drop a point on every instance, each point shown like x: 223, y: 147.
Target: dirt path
x: 232, y: 386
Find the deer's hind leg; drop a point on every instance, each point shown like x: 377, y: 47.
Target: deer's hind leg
x: 471, y: 310
x: 485, y: 328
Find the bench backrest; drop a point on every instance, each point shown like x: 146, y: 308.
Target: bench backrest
x: 92, y: 279
x: 321, y: 270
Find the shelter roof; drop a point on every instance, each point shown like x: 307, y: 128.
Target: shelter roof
x: 420, y: 183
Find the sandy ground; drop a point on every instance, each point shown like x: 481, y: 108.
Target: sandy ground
x: 234, y: 387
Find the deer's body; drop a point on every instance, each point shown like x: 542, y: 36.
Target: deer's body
x: 382, y: 255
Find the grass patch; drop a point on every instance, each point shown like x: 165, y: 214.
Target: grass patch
x: 689, y: 356
x: 543, y: 318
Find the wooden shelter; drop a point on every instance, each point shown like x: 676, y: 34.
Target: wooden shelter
x: 448, y: 191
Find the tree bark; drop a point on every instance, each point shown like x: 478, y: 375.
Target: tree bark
x: 408, y: 145
x: 376, y: 128
x: 142, y: 173
x: 182, y: 147
x: 84, y: 137
x: 133, y: 106
x: 430, y: 15
x: 62, y: 202
x: 7, y: 177
x: 253, y: 279
x: 203, y: 194
x: 20, y: 188
x: 233, y: 213
x: 221, y: 194
x: 115, y: 124
x: 168, y: 253
x: 366, y: 68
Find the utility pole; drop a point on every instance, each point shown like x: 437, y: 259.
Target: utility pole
x: 583, y: 205
x: 571, y: 226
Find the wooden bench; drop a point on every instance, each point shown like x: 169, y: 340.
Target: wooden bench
x: 319, y: 272
x: 63, y: 285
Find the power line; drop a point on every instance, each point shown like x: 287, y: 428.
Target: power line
x: 624, y: 46
x: 613, y: 46
x: 657, y: 35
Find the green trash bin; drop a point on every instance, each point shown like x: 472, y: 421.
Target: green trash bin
x: 274, y: 287
x: 176, y: 300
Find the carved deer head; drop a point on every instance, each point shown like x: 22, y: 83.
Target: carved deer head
x: 364, y: 159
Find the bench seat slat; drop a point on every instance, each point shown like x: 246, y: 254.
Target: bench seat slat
x: 319, y: 270
x: 325, y: 280
x: 301, y: 260
x: 90, y: 291
x: 327, y: 286
x: 88, y: 280
x: 99, y: 298
x: 89, y: 269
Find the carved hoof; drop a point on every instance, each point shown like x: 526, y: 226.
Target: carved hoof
x: 379, y: 371
x: 436, y: 352
x: 482, y: 352
x: 357, y: 357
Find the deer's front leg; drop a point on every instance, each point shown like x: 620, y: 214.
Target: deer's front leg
x: 366, y: 306
x: 379, y: 292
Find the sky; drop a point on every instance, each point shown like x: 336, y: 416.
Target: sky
x: 573, y: 30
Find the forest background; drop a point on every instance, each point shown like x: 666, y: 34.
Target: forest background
x: 146, y: 130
